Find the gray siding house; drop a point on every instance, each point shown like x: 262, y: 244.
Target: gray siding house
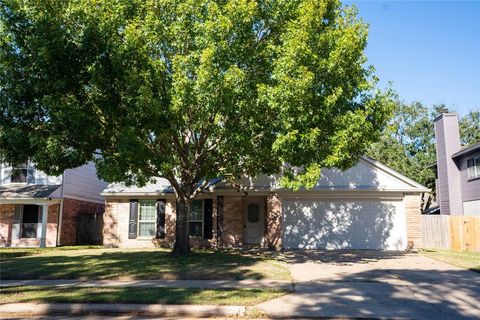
x: 458, y: 169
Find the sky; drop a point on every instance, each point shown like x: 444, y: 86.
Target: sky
x: 430, y: 50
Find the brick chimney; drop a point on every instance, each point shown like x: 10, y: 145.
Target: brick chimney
x: 447, y: 142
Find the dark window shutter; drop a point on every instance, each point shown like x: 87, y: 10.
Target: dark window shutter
x: 207, y: 219
x: 132, y: 221
x: 160, y: 219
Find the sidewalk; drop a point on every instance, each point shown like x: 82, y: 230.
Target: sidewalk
x: 156, y: 310
x: 202, y: 284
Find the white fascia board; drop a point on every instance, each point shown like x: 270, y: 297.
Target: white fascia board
x: 417, y: 186
x: 37, y: 201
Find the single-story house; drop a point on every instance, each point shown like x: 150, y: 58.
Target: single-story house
x: 40, y: 210
x: 368, y: 206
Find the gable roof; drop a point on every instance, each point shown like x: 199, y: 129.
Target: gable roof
x: 367, y: 175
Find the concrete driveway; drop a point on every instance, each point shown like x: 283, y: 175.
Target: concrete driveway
x: 373, y: 284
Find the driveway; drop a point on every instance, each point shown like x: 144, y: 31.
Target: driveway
x: 373, y: 284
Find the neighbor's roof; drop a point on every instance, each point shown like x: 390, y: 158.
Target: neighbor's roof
x: 27, y: 191
x: 469, y: 149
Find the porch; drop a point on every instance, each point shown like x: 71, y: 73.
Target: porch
x: 27, y: 217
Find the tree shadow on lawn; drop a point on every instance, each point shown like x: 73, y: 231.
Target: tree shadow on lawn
x: 341, y: 257
x: 116, y: 295
x: 138, y: 264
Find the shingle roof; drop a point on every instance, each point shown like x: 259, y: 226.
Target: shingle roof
x: 161, y: 185
x: 470, y: 149
x: 27, y: 191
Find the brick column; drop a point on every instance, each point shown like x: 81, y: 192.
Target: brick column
x: 274, y: 222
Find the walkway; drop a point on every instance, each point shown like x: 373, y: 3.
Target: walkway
x: 369, y: 284
x: 202, y: 284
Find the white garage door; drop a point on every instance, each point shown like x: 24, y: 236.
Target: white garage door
x: 344, y: 224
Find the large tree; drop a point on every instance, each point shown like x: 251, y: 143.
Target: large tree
x: 188, y: 90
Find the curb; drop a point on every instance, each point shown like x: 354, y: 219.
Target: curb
x: 157, y: 310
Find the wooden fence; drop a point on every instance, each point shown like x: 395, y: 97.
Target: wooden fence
x: 451, y: 232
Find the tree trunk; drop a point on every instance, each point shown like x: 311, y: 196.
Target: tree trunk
x: 182, y: 239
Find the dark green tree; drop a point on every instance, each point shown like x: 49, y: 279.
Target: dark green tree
x: 187, y: 90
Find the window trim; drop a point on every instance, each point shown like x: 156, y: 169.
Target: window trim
x: 476, y: 171
x: 202, y: 221
x: 149, y: 221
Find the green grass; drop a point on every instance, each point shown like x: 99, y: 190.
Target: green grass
x: 243, y: 297
x: 465, y: 259
x: 100, y: 263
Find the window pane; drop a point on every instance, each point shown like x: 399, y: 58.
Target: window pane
x: 19, y: 173
x: 148, y: 211
x: 470, y: 168
x: 30, y: 213
x: 29, y: 230
x: 197, y: 210
x: 477, y: 166
x: 146, y: 229
x: 196, y: 229
x: 252, y: 213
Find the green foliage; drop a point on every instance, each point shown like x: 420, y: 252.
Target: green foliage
x: 188, y: 90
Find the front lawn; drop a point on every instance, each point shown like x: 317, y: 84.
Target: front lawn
x: 464, y: 259
x: 242, y: 297
x: 100, y: 263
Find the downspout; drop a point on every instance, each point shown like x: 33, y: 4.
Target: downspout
x: 60, y: 215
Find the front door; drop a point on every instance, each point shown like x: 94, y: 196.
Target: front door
x: 254, y: 221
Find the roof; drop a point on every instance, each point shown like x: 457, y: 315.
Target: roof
x: 469, y: 149
x: 27, y: 191
x: 367, y: 175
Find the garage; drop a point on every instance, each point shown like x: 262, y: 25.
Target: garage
x: 316, y: 223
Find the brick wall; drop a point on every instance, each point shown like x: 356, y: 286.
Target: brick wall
x: 115, y: 226
x: 52, y: 224
x: 6, y: 220
x: 414, y: 220
x: 71, y: 209
x: 232, y: 220
x: 273, y: 233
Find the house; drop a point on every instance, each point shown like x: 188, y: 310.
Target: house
x: 38, y: 210
x: 457, y: 168
x: 368, y: 206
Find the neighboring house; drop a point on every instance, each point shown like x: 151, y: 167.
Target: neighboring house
x: 369, y: 206
x: 38, y: 210
x: 458, y: 169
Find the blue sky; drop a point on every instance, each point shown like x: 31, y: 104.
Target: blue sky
x: 430, y: 50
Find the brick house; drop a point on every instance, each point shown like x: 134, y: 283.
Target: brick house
x: 368, y: 206
x: 38, y: 210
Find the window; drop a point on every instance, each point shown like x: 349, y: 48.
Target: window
x: 19, y: 173
x: 196, y: 219
x: 30, y: 221
x: 252, y: 213
x: 473, y: 167
x: 147, y: 219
